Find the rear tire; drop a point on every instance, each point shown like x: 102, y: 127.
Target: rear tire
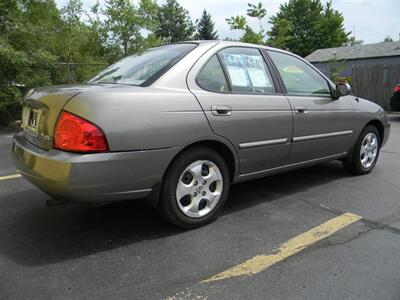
x: 199, y: 177
x: 364, y: 155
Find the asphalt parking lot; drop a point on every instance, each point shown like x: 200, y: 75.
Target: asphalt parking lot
x: 125, y: 250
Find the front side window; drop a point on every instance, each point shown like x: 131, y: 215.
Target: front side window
x: 141, y: 68
x: 298, y: 77
x: 247, y: 70
x: 212, y: 78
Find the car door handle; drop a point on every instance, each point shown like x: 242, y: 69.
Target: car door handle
x: 221, y: 110
x: 300, y: 109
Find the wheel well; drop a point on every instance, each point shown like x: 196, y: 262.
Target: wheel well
x: 378, y: 125
x: 221, y: 149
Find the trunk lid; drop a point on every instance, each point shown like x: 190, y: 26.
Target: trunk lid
x: 41, y: 109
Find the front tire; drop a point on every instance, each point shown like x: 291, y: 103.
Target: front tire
x: 195, y: 188
x: 363, y: 157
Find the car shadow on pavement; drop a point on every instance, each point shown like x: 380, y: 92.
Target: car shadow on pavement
x: 33, y: 235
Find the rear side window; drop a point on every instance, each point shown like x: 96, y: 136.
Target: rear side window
x: 299, y: 78
x: 247, y: 70
x: 212, y: 78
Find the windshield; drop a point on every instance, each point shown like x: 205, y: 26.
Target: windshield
x: 142, y: 68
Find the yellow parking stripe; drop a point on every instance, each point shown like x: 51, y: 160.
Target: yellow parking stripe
x: 10, y: 177
x: 287, y: 249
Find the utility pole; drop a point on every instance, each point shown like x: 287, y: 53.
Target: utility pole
x: 353, y: 50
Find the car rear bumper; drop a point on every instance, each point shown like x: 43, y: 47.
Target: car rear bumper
x: 100, y: 177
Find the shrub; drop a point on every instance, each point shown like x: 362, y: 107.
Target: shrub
x: 10, y: 104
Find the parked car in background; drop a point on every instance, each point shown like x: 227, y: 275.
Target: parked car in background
x: 178, y: 124
x: 395, y: 100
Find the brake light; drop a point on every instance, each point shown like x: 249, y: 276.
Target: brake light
x: 75, y: 134
x: 397, y: 88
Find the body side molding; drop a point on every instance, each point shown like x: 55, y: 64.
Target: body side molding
x: 321, y: 136
x: 263, y: 143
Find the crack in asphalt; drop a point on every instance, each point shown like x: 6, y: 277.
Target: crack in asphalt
x: 371, y: 224
x: 359, y: 234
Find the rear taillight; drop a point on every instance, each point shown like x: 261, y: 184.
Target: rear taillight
x: 397, y: 88
x: 75, y: 134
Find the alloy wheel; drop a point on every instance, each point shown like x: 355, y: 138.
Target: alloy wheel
x: 369, y: 150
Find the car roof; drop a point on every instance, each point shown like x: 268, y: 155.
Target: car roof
x: 235, y: 43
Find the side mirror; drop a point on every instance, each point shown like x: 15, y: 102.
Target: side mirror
x: 343, y: 89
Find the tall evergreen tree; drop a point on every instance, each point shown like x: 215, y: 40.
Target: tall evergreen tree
x: 205, y: 28
x: 303, y: 26
x: 174, y: 23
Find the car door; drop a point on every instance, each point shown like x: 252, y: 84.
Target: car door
x: 322, y: 125
x: 238, y: 95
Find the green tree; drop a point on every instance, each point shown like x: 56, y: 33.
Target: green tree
x: 257, y: 11
x: 237, y: 23
x: 280, y: 34
x: 336, y: 67
x: 72, y: 37
x: 97, y: 38
x: 205, y: 28
x: 28, y: 32
x: 252, y: 37
x: 125, y: 23
x: 174, y: 23
x: 81, y: 44
x: 240, y: 23
x: 307, y: 25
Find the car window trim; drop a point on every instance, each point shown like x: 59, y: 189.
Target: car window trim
x: 285, y: 92
x: 225, y: 71
x: 279, y: 86
x: 227, y: 78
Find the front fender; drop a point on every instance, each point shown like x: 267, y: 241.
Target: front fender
x: 367, y: 112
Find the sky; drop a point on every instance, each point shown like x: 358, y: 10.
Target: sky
x: 369, y: 20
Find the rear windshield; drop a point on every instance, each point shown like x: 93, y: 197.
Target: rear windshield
x: 143, y: 69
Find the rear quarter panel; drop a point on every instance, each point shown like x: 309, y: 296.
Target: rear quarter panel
x: 135, y: 118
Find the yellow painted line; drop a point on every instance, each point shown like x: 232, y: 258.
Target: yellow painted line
x: 261, y: 262
x: 10, y: 177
